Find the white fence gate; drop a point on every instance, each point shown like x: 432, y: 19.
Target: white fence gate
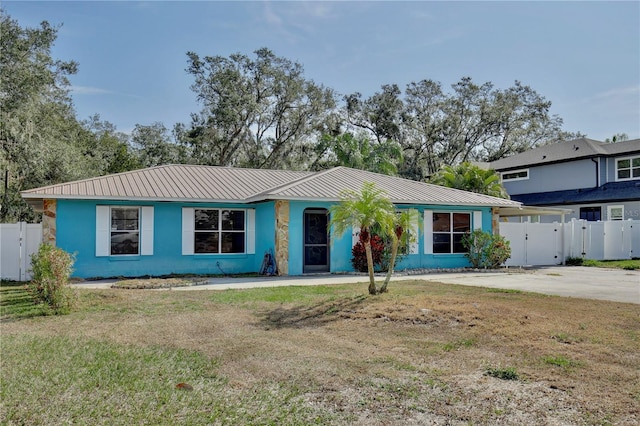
x: 17, y: 242
x: 551, y: 243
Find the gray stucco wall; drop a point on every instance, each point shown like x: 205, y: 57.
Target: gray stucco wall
x: 556, y: 177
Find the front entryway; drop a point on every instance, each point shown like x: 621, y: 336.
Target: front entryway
x: 316, y: 241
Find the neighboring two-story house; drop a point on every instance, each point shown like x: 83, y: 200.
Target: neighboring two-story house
x: 597, y: 180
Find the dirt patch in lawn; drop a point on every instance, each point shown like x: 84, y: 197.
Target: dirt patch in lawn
x: 417, y: 355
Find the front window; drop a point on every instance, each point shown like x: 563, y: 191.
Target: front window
x: 628, y: 168
x: 125, y: 230
x: 448, y: 230
x: 219, y: 231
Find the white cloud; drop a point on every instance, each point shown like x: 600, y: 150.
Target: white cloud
x: 618, y: 93
x: 86, y: 90
x: 89, y: 91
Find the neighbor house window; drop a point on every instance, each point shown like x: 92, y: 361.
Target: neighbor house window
x: 615, y: 212
x: 219, y: 231
x: 515, y: 175
x: 628, y: 168
x: 592, y: 214
x: 448, y: 230
x: 125, y: 230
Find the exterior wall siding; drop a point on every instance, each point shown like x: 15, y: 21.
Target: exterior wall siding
x: 76, y: 233
x: 435, y: 261
x: 556, y: 177
x: 76, y: 223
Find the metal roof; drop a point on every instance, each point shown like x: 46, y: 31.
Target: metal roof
x: 328, y: 185
x: 176, y: 182
x: 566, y: 151
x: 193, y: 183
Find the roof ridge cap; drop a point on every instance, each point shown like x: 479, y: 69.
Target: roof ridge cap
x: 311, y: 175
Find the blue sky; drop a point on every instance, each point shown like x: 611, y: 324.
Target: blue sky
x: 582, y: 56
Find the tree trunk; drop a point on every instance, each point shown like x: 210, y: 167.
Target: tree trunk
x: 392, y: 262
x: 372, y: 281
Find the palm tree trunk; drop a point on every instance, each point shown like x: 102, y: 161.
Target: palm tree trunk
x: 394, y: 252
x: 372, y: 281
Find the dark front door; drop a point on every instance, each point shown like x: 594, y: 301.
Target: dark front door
x: 316, y: 241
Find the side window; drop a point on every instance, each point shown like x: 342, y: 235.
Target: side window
x: 628, y: 168
x: 592, y: 214
x: 615, y: 212
x: 515, y: 175
x: 125, y: 230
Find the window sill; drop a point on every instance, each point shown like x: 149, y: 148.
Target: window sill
x: 124, y: 257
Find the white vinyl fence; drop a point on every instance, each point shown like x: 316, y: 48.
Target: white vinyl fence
x: 17, y: 242
x: 551, y: 243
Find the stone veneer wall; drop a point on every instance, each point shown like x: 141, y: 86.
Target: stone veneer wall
x: 49, y: 222
x: 282, y: 236
x: 495, y: 221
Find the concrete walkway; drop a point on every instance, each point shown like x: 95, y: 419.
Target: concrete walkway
x: 570, y: 281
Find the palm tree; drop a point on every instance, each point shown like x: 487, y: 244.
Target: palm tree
x: 396, y: 229
x: 472, y: 178
x: 362, y: 209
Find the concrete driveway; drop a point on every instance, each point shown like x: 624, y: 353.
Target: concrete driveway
x: 570, y: 281
x: 616, y: 285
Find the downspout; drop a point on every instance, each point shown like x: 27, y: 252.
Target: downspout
x: 597, y: 171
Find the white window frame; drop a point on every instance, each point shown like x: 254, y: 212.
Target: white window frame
x: 145, y: 230
x: 189, y: 231
x: 506, y: 179
x: 610, y: 215
x: 630, y: 168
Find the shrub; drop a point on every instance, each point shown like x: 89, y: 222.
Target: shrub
x: 574, y: 261
x: 359, y: 259
x: 486, y: 250
x: 51, y: 267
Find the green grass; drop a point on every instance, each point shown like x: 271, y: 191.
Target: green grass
x: 15, y: 302
x: 628, y: 264
x: 285, y: 294
x: 504, y: 290
x: 561, y: 361
x: 72, y: 380
x: 508, y: 373
x: 458, y: 344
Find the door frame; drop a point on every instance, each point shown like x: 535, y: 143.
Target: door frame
x: 306, y: 269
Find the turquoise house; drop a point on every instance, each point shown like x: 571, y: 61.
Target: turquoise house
x: 191, y: 219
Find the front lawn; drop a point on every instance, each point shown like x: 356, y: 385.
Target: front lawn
x: 424, y: 353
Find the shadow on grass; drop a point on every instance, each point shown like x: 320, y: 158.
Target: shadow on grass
x: 315, y: 315
x: 16, y: 303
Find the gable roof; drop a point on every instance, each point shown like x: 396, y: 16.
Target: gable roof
x: 566, y: 151
x: 193, y: 183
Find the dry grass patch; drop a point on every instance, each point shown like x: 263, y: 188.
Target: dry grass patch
x: 333, y: 355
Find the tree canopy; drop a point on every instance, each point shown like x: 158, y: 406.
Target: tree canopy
x: 258, y: 111
x: 469, y: 177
